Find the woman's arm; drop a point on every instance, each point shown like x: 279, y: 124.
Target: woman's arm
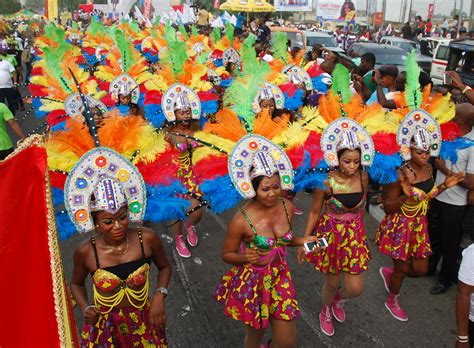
x: 232, y: 240
x: 313, y: 216
x: 392, y: 198
x: 157, y: 307
x: 78, y: 286
x: 79, y: 275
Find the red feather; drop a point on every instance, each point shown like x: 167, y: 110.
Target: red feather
x: 211, y: 167
x: 37, y: 70
x: 108, y: 101
x: 312, y: 145
x: 57, y: 179
x: 153, y: 97
x: 450, y: 131
x: 37, y: 90
x: 314, y: 70
x: 89, y: 50
x: 296, y: 155
x: 206, y: 96
x: 289, y: 88
x: 385, y: 143
x: 56, y: 116
x: 163, y: 170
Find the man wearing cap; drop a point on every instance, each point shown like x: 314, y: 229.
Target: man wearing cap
x: 446, y: 211
x: 8, y: 77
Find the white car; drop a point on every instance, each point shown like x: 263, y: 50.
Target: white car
x: 440, y: 61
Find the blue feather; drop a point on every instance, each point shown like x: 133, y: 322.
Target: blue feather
x: 218, y: 62
x: 220, y: 193
x: 209, y: 107
x: 449, y: 149
x: 64, y: 225
x: 295, y: 102
x: 154, y: 114
x: 164, y: 204
x: 59, y: 126
x: 305, y: 178
x: 124, y: 110
x: 58, y: 196
x: 384, y: 168
x: 226, y: 83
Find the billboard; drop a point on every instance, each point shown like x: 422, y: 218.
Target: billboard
x: 293, y: 5
x: 336, y: 10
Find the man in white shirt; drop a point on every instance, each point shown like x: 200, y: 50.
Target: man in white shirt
x: 465, y: 299
x: 447, y: 209
x: 8, y: 78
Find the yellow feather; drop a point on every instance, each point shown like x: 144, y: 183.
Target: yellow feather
x: 221, y: 143
x: 40, y: 80
x: 150, y: 144
x: 203, y: 152
x: 51, y: 106
x: 443, y: 110
x: 292, y: 136
x: 313, y: 120
x: 382, y: 122
x: 59, y: 159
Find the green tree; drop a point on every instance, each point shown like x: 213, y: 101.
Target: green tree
x: 9, y: 7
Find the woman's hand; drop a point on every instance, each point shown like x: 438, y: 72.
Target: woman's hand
x: 406, y: 184
x: 91, y: 315
x: 453, y: 179
x: 256, y: 256
x: 377, y: 76
x: 157, y: 312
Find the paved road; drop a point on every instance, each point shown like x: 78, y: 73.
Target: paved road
x: 195, y: 319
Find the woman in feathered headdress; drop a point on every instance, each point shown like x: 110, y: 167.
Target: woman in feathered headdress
x: 403, y: 233
x: 180, y: 99
x: 348, y: 149
x: 260, y: 170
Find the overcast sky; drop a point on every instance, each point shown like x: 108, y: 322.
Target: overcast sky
x: 421, y: 6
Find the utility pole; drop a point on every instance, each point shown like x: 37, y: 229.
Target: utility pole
x: 460, y: 16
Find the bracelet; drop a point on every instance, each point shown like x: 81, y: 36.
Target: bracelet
x: 89, y: 306
x: 442, y: 187
x: 463, y: 337
x: 467, y: 88
x: 162, y: 290
x: 462, y: 340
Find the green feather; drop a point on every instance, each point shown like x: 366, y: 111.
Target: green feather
x: 229, y: 32
x: 341, y: 82
x: 95, y: 27
x: 194, y: 31
x: 134, y: 26
x: 74, y: 26
x: 176, y: 48
x: 215, y: 35
x: 157, y: 21
x: 413, y: 96
x: 125, y: 48
x: 249, y: 56
x: 183, y: 32
x: 202, y: 58
x: 280, y: 46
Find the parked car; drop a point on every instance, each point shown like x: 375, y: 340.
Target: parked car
x: 461, y: 59
x: 384, y: 54
x: 424, y: 60
x: 319, y: 37
x: 440, y: 62
x: 296, y: 37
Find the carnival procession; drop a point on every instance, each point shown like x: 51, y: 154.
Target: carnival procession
x: 235, y: 174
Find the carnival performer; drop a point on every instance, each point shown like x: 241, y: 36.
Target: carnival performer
x: 118, y: 257
x: 403, y: 233
x: 179, y: 99
x: 255, y: 243
x: 342, y: 251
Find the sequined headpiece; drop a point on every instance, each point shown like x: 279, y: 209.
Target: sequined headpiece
x: 103, y: 180
x: 264, y: 158
x: 269, y: 91
x: 345, y: 133
x: 179, y: 96
x: 298, y: 76
x: 231, y: 55
x: 74, y: 107
x: 124, y: 85
x: 419, y: 130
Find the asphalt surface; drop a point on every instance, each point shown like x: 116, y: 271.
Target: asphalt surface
x: 195, y: 319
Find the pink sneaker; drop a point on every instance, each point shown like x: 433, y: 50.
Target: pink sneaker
x: 325, y: 321
x: 386, y: 273
x: 297, y: 210
x: 181, y: 247
x: 393, y: 306
x: 192, y: 235
x: 338, y: 308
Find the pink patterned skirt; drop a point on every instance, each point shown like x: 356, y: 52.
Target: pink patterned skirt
x: 254, y: 295
x: 123, y: 328
x: 347, y: 249
x: 402, y: 237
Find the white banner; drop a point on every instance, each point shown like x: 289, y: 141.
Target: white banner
x: 335, y: 10
x: 293, y: 5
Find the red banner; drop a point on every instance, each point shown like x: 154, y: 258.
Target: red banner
x: 35, y: 302
x: 430, y: 10
x: 147, y: 9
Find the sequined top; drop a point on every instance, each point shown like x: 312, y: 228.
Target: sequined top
x: 268, y: 243
x: 120, y: 281
x: 335, y: 206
